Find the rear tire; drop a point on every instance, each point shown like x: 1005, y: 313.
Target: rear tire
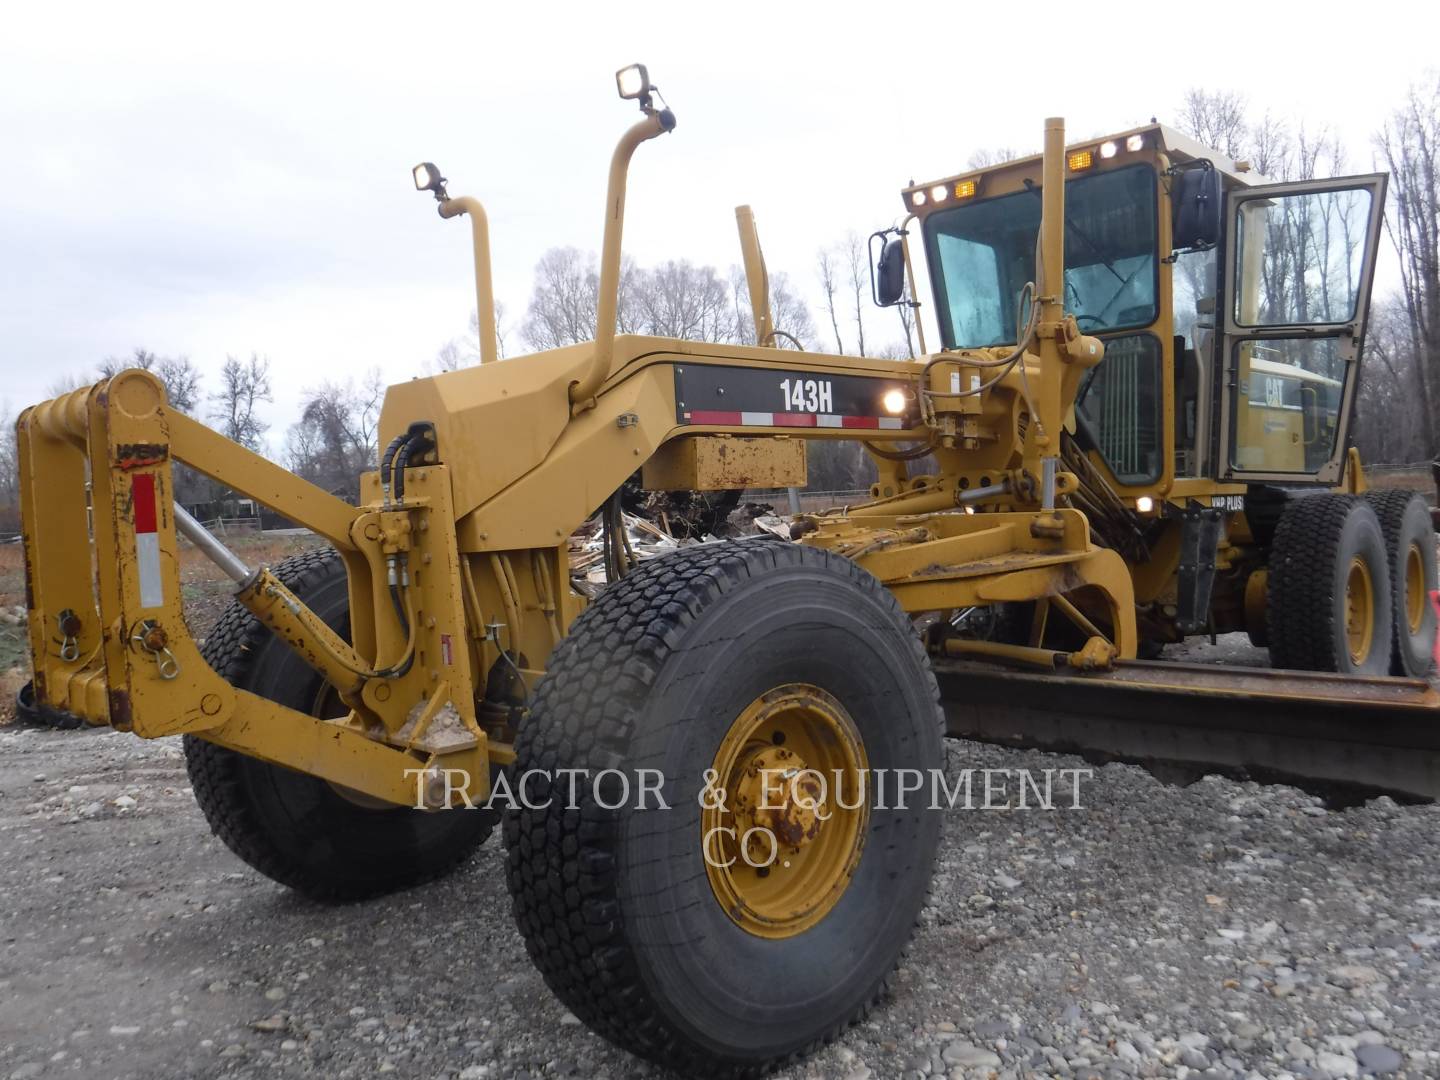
x: 618, y: 907
x: 296, y: 829
x: 1328, y: 589
x: 1410, y: 543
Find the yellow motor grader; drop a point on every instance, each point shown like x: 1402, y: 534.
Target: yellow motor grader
x: 1134, y: 429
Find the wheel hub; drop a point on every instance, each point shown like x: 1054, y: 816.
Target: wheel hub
x: 1359, y: 611
x: 779, y: 792
x: 1414, y: 588
x: 783, y: 831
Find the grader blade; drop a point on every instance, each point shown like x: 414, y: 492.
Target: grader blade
x: 1333, y: 733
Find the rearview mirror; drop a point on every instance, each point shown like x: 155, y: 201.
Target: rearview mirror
x: 1197, y: 204
x: 887, y: 277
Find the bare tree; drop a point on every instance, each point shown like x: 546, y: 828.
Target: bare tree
x: 63, y: 384
x: 789, y: 314
x: 1410, y: 145
x: 451, y: 356
x: 182, y: 382
x: 906, y: 310
x: 1217, y: 119
x: 682, y: 300
x: 789, y: 310
x: 335, y: 438
x: 9, y: 471
x: 987, y: 156
x: 565, y: 302
x: 856, y: 264
x: 829, y: 273
x: 1387, y: 377
x: 138, y: 358
x: 243, y: 386
x: 180, y: 377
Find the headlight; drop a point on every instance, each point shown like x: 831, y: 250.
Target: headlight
x: 893, y: 402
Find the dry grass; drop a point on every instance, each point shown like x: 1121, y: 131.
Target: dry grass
x: 1412, y: 479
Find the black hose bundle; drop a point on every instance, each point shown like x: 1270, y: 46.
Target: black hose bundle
x: 619, y: 556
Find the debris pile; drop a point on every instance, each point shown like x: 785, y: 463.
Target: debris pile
x: 647, y: 539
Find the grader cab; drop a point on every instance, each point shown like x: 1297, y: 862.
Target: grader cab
x: 1133, y: 430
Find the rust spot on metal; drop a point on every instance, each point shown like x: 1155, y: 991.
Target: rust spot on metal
x: 154, y: 638
x: 120, y: 714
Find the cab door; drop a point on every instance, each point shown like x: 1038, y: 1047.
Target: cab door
x: 1299, y: 259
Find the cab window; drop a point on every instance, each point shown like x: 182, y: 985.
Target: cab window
x: 982, y: 254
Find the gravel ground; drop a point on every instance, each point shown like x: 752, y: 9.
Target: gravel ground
x: 1223, y: 929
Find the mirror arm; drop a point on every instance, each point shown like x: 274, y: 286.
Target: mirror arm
x: 910, y: 277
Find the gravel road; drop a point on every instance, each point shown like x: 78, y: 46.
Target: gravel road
x: 1223, y: 929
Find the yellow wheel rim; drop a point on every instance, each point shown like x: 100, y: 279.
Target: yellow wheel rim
x: 783, y: 820
x: 1414, y: 589
x: 1359, y: 611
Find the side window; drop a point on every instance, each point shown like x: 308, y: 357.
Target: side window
x: 1299, y: 257
x: 976, y: 309
x: 1193, y: 285
x: 1119, y: 408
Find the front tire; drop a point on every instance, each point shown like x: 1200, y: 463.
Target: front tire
x: 297, y: 829
x: 619, y: 908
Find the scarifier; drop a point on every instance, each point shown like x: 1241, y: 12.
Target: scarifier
x: 1134, y: 429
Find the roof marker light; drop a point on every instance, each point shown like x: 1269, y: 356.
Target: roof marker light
x: 938, y: 193
x: 1109, y: 149
x: 917, y: 198
x: 964, y: 189
x: 1080, y: 160
x: 1135, y: 142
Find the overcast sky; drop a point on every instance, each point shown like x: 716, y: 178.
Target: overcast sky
x: 206, y: 179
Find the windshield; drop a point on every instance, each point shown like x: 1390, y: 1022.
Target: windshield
x: 982, y: 254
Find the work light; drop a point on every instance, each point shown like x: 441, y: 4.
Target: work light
x: 633, y: 81
x: 428, y: 178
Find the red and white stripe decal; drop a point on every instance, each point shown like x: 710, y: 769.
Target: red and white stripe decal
x: 147, y: 540
x: 791, y: 419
